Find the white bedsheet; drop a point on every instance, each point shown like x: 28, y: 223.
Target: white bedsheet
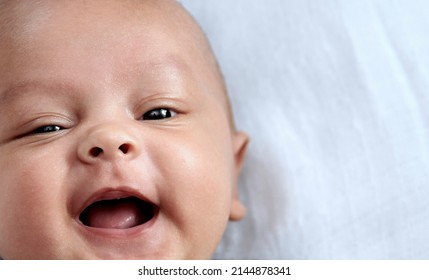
x: 335, y: 96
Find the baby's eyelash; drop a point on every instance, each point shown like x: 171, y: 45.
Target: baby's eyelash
x: 158, y: 114
x: 155, y: 114
x: 47, y: 129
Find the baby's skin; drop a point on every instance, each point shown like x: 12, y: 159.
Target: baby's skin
x: 116, y: 137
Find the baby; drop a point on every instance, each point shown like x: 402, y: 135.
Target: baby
x: 116, y: 137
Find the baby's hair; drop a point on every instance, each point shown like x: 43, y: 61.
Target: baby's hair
x: 8, y: 20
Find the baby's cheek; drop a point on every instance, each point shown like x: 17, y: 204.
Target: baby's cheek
x: 30, y: 207
x: 20, y: 219
x: 197, y: 190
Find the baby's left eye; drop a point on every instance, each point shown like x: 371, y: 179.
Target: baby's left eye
x: 47, y: 129
x: 158, y: 114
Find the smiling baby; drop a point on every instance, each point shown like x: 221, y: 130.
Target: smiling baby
x: 116, y: 135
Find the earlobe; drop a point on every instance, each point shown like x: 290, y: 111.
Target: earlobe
x: 241, y: 140
x: 238, y: 210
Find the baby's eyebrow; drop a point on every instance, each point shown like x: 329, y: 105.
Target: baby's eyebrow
x: 22, y: 88
x: 168, y: 63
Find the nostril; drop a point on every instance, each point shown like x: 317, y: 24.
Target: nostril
x: 96, y: 151
x: 124, y: 148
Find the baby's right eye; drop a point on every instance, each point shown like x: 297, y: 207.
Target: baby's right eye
x: 47, y: 129
x: 158, y: 114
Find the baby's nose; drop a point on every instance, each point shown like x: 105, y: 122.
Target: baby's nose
x: 108, y: 142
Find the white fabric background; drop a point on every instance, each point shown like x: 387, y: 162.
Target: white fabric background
x: 335, y: 96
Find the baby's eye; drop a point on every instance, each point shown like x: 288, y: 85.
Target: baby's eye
x: 158, y: 114
x: 47, y: 129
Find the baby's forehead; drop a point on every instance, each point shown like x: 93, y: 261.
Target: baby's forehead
x: 24, y: 18
x: 53, y: 21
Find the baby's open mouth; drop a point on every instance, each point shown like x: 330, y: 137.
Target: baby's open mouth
x: 120, y: 213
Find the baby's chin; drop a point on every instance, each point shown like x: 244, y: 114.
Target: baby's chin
x: 149, y: 241
x: 82, y: 252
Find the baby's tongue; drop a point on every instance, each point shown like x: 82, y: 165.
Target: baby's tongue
x: 117, y: 214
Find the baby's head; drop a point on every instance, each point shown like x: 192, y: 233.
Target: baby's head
x: 116, y: 138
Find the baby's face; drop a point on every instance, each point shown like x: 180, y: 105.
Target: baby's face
x: 115, y: 137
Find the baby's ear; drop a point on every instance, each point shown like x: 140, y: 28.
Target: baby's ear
x: 241, y: 141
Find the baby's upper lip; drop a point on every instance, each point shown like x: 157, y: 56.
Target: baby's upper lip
x: 110, y: 193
